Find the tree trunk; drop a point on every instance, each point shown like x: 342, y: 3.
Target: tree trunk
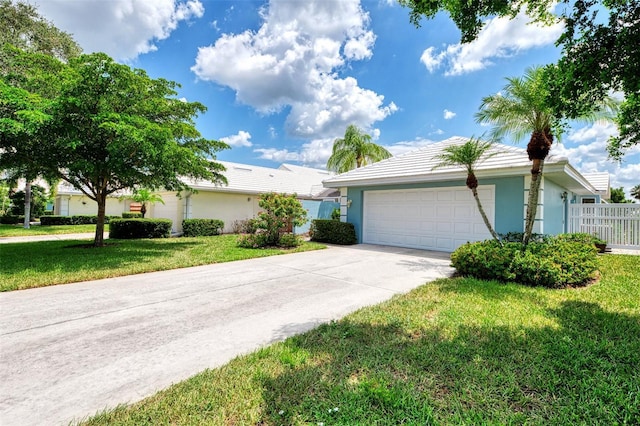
x: 484, y: 216
x: 143, y: 209
x: 102, y: 208
x: 27, y: 205
x: 532, y: 201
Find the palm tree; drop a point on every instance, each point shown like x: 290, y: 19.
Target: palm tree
x: 467, y: 155
x: 354, y: 150
x: 635, y: 192
x: 522, y: 109
x: 145, y: 197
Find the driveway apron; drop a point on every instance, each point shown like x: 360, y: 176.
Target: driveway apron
x: 71, y: 350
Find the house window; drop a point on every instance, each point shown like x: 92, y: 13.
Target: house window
x: 588, y: 201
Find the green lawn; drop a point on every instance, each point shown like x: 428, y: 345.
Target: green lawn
x: 39, y: 264
x: 19, y: 231
x: 455, y: 351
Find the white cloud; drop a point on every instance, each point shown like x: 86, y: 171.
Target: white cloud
x: 123, y: 29
x: 590, y: 155
x: 291, y: 61
x: 403, y: 147
x: 448, y: 115
x: 501, y: 37
x: 312, y: 154
x: 242, y: 138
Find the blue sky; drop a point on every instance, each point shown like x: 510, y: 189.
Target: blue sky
x: 283, y: 78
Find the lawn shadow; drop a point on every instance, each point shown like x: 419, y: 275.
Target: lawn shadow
x: 79, y: 255
x: 584, y: 370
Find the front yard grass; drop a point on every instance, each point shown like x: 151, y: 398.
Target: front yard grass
x: 454, y: 351
x: 44, y: 263
x: 19, y: 231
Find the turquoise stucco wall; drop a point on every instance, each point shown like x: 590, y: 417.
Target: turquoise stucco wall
x: 508, y: 192
x: 555, y: 209
x: 316, y: 209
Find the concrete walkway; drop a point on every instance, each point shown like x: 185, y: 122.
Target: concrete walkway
x: 68, y: 351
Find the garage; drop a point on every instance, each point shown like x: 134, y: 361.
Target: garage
x: 426, y: 218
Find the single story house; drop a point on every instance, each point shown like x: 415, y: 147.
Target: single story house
x: 403, y: 201
x: 236, y: 201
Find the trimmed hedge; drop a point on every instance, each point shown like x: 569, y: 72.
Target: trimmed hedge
x: 139, y: 228
x: 202, y: 227
x: 332, y: 231
x: 554, y: 263
x: 132, y: 215
x: 10, y: 219
x: 73, y: 220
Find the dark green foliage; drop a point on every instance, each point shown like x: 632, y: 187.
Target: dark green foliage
x: 9, y: 219
x: 516, y: 237
x: 255, y: 240
x: 332, y: 231
x: 132, y: 215
x: 38, y: 202
x: 202, y: 227
x: 289, y: 240
x: 555, y: 262
x: 618, y: 196
x: 139, y: 228
x: 52, y: 220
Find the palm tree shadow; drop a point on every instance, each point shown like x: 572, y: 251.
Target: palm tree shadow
x: 584, y: 369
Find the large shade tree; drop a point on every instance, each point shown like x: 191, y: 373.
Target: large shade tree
x: 354, y: 150
x: 111, y: 128
x: 22, y: 27
x: 521, y: 109
x: 600, y: 50
x: 468, y: 155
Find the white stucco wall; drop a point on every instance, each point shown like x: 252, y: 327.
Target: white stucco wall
x: 72, y: 205
x: 226, y: 207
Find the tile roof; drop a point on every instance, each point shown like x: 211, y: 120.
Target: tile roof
x: 248, y: 179
x: 418, y: 165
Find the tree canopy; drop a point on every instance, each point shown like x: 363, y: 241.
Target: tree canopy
x: 600, y: 47
x: 108, y: 128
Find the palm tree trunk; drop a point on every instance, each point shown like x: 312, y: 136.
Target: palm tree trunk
x: 532, y: 201
x: 27, y: 205
x: 484, y: 216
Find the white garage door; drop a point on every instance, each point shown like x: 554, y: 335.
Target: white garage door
x: 431, y: 219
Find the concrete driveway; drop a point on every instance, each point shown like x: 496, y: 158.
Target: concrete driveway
x: 68, y: 351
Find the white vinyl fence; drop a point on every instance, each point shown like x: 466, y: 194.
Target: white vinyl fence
x: 617, y: 224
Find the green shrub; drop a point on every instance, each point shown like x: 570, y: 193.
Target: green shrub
x: 139, y: 228
x: 335, y: 214
x: 332, y: 231
x: 73, y: 220
x: 486, y: 260
x: 553, y: 262
x: 257, y: 240
x: 202, y: 227
x: 247, y: 226
x: 517, y: 237
x: 9, y: 219
x: 56, y: 220
x: 131, y: 215
x: 289, y: 240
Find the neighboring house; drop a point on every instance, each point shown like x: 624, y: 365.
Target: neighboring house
x: 403, y: 202
x: 239, y: 199
x: 233, y: 202
x: 71, y: 202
